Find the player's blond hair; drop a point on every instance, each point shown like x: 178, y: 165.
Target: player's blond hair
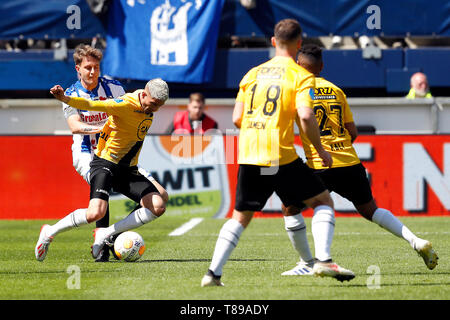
x: 158, y: 89
x: 84, y: 50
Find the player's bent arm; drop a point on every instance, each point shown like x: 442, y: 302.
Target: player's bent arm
x: 237, y: 113
x: 309, y: 125
x: 84, y: 104
x: 76, y: 125
x: 80, y: 103
x: 352, y: 130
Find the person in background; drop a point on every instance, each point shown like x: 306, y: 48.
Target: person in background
x: 419, y: 87
x: 194, y: 120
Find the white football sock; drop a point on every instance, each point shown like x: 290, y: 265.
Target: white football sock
x: 296, y: 230
x: 385, y: 219
x: 72, y: 220
x: 323, y: 231
x: 228, y: 239
x: 134, y: 220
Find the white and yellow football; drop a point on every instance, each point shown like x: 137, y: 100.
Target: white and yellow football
x: 129, y: 246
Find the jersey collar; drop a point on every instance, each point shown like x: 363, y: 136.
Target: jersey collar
x: 92, y: 93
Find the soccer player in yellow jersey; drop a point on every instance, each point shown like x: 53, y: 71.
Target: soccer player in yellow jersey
x: 270, y: 96
x: 347, y: 176
x: 115, y: 165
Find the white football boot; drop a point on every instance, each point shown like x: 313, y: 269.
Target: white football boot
x: 100, y: 237
x: 333, y: 270
x: 210, y: 280
x: 41, y: 249
x: 425, y: 250
x: 301, y: 269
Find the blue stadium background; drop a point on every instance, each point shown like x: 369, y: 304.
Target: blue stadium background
x: 414, y: 36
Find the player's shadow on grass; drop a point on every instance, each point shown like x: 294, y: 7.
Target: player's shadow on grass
x: 198, y: 260
x: 429, y: 273
x: 362, y: 285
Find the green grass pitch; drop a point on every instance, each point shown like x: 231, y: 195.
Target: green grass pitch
x: 386, y: 267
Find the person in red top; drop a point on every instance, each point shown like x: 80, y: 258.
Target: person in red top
x: 193, y: 120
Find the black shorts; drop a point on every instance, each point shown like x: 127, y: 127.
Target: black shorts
x: 349, y: 182
x: 293, y: 183
x: 105, y: 176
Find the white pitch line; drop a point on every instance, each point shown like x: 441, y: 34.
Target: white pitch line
x: 186, y: 227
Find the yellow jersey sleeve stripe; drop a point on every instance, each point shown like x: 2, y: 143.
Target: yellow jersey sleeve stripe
x: 107, y: 106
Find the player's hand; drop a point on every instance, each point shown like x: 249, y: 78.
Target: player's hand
x: 58, y: 92
x: 327, y: 160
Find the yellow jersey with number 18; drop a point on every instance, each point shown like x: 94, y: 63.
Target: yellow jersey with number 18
x: 332, y: 112
x: 123, y: 134
x: 271, y: 93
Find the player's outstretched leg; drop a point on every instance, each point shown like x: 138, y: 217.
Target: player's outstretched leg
x: 426, y: 251
x: 41, y: 249
x: 48, y: 232
x: 385, y: 219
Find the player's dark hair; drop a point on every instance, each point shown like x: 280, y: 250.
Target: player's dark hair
x: 287, y: 30
x: 197, y: 96
x: 312, y: 51
x: 310, y: 58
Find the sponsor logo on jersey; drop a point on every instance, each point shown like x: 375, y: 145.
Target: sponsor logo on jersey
x: 270, y: 73
x: 94, y: 118
x: 324, y: 93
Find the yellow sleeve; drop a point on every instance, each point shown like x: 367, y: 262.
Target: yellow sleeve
x: 109, y: 106
x: 347, y: 112
x: 305, y: 92
x: 243, y: 86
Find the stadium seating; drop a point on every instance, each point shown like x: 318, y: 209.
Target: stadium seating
x: 243, y: 43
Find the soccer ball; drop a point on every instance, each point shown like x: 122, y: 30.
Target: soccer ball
x: 129, y: 246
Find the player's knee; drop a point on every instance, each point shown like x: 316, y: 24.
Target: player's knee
x: 290, y: 210
x: 159, y: 210
x: 243, y: 217
x: 367, y: 209
x: 95, y: 214
x: 155, y: 203
x: 322, y: 199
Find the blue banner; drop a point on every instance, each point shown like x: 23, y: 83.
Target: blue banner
x: 175, y: 40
